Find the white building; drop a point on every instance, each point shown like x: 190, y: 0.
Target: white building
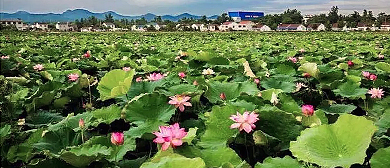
x: 244, y: 26
x: 291, y: 27
x: 362, y: 27
x: 63, y: 26
x: 385, y: 26
x: 316, y: 27
x: 261, y: 27
x: 140, y: 28
x: 42, y: 26
x: 18, y: 23
x: 86, y: 29
x: 212, y: 27
x: 155, y: 25
x: 226, y: 26
x: 109, y: 25
x: 199, y: 27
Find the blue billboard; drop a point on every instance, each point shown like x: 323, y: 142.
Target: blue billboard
x: 246, y: 15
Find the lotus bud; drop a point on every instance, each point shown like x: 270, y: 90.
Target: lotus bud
x: 117, y: 138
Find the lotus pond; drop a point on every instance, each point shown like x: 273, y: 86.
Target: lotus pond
x: 263, y: 100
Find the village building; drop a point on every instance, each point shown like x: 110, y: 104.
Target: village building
x: 41, y: 26
x: 155, y: 25
x: 385, y: 26
x: 291, y: 27
x: 63, y: 26
x: 16, y: 22
x: 212, y: 27
x: 261, y: 27
x: 109, y: 25
x: 244, y: 26
x: 86, y: 29
x: 316, y: 27
x: 140, y: 28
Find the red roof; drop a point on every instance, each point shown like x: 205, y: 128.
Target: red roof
x: 226, y: 23
x: 246, y: 22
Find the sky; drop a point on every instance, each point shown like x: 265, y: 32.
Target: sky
x: 197, y: 7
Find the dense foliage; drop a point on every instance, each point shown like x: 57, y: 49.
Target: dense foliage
x: 195, y: 100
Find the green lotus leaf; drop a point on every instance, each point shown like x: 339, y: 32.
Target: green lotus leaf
x: 175, y: 161
x: 273, y: 83
x: 190, y: 135
x: 55, y: 141
x: 286, y: 162
x: 231, y: 90
x: 182, y: 89
x: 139, y: 88
x: 350, y: 90
x: 340, y: 144
x: 84, y: 155
x: 4, y: 131
x: 107, y: 114
x: 279, y: 124
x: 339, y: 108
x: 71, y: 121
x: 310, y: 68
x: 115, y: 83
x: 25, y: 151
x: 220, y: 156
x: 218, y: 127
x: 148, y: 112
x: 383, y: 123
x: 383, y: 66
x: 381, y: 158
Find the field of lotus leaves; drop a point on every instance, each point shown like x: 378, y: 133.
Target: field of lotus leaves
x: 193, y: 100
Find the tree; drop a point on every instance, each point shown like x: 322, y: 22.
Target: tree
x: 157, y: 20
x: 203, y: 19
x: 333, y: 15
x: 141, y: 21
x: 109, y: 18
x: 291, y: 16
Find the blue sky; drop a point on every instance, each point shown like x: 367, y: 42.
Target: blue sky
x: 198, y: 7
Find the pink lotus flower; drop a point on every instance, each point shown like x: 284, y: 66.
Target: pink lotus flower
x: 366, y: 74
x: 170, y: 136
x: 307, y: 110
x: 293, y: 59
x: 350, y: 63
x: 376, y: 93
x: 4, y: 57
x: 155, y: 76
x: 87, y: 54
x: 117, y: 138
x: 126, y: 69
x: 222, y: 96
x: 373, y: 77
x: 257, y: 81
x: 245, y: 121
x: 38, y: 67
x: 81, y: 123
x: 73, y: 77
x: 302, y: 50
x: 380, y: 56
x: 180, y: 101
x: 139, y: 79
x: 182, y: 75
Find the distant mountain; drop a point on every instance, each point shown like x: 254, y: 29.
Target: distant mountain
x: 71, y: 15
